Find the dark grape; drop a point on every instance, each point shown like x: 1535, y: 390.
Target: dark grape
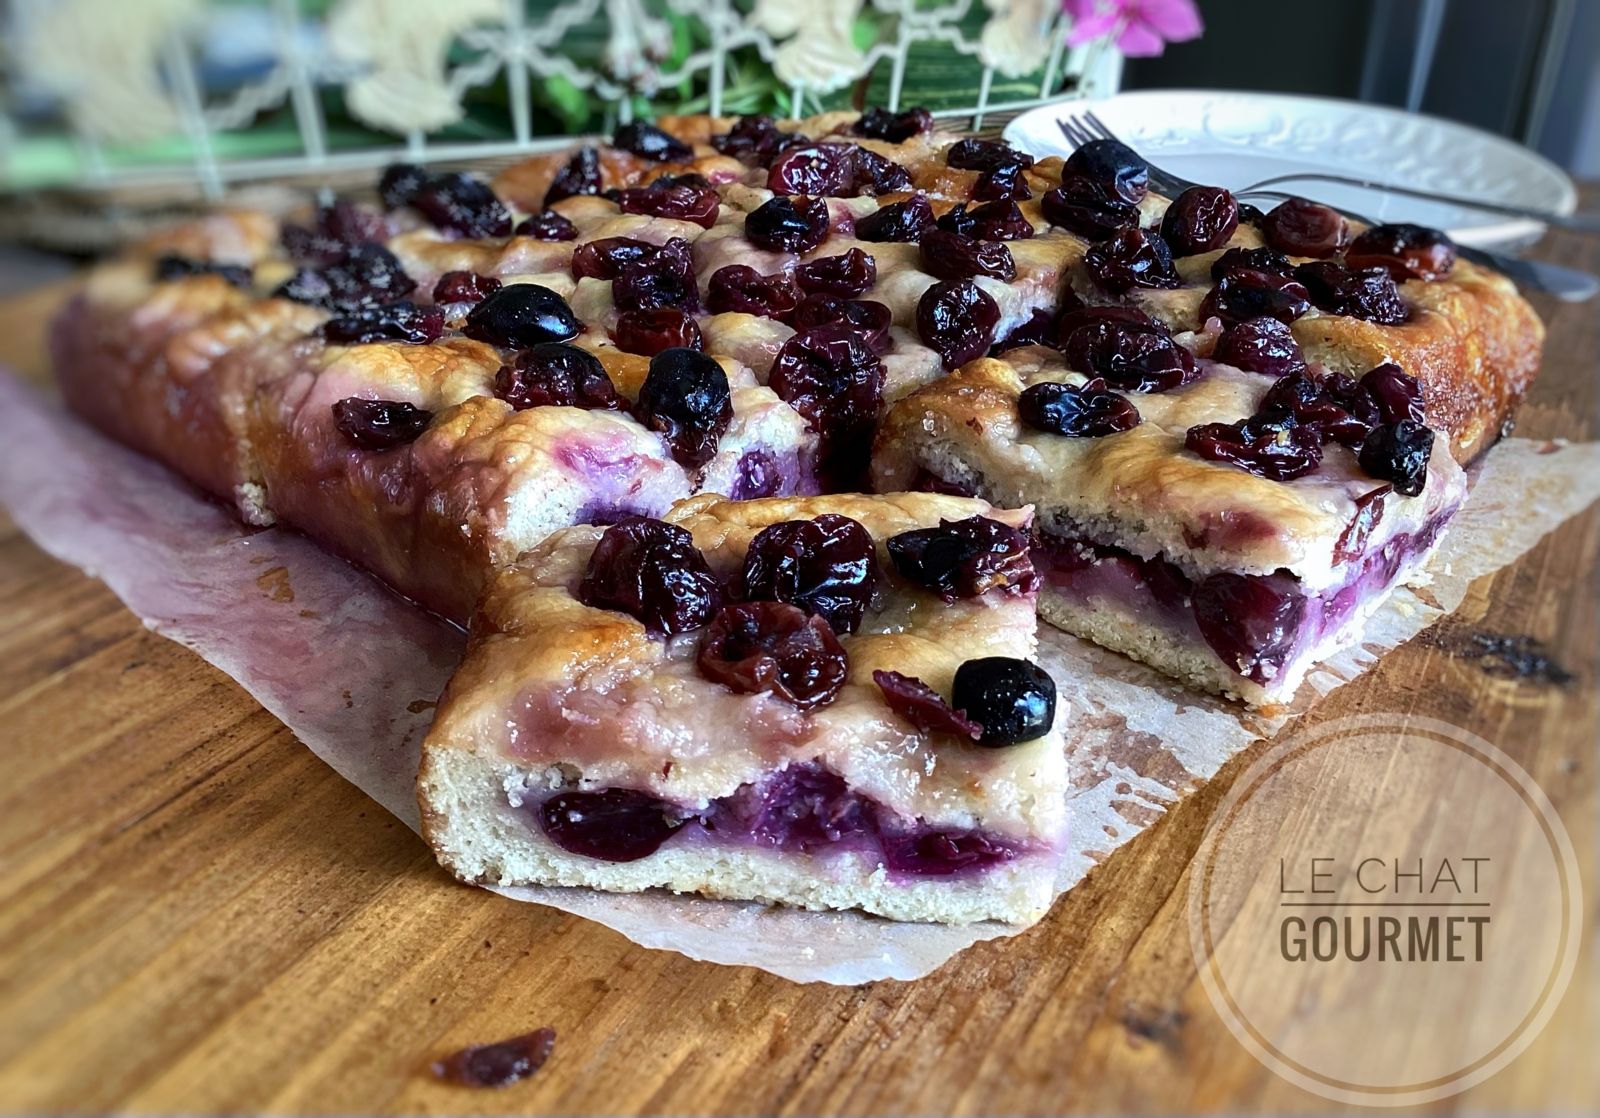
x: 686, y: 398
x: 958, y: 320
x: 1089, y: 411
x: 827, y: 566
x: 770, y: 647
x: 379, y: 424
x: 556, y: 374
x: 652, y: 571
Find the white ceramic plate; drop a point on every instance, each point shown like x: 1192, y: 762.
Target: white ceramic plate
x: 1238, y: 139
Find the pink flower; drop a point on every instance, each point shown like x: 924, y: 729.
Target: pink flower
x: 1142, y: 28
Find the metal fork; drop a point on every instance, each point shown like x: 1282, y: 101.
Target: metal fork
x: 1567, y: 284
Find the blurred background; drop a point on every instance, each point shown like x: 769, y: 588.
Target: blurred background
x: 121, y: 114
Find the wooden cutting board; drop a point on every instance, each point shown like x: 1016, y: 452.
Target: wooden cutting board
x: 198, y: 915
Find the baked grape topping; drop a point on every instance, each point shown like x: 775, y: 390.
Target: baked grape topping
x: 174, y: 267
x: 985, y: 155
x: 649, y: 332
x: 685, y: 397
x: 580, y: 175
x: 649, y: 142
x: 455, y: 202
x: 613, y: 824
x: 904, y: 221
x: 755, y: 647
x: 831, y: 376
x: 652, y: 571
x: 740, y: 288
x: 400, y: 183
x: 1112, y: 166
x: 464, y: 287
x: 606, y: 257
x: 1398, y: 453
x: 1127, y: 354
x: 866, y: 317
x: 332, y: 233
x: 1201, y: 219
x: 1008, y: 182
x: 1129, y: 258
x: 963, y: 558
x: 1397, y: 394
x: 522, y: 315
x: 1365, y: 293
x: 1338, y: 407
x: 1089, y: 411
x: 1013, y: 700
x: 893, y: 128
x: 1081, y: 207
x: 847, y: 275
x: 379, y: 424
x: 957, y: 319
x: 924, y: 707
x: 1245, y: 293
x: 827, y: 566
x: 1251, y: 259
x: 1404, y: 251
x: 393, y: 322
x: 992, y: 221
x: 876, y: 174
x: 955, y: 256
x: 663, y: 279
x: 1260, y: 345
x: 834, y: 170
x: 547, y: 225
x: 679, y: 201
x: 1075, y: 313
x: 554, y: 374
x: 786, y: 224
x: 1302, y: 228
x: 1272, y: 444
x: 753, y: 139
x: 367, y: 275
x: 825, y: 170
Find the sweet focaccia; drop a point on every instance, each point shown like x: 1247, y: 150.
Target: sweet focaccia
x: 1231, y: 464
x: 1230, y: 581
x: 823, y: 702
x: 829, y: 267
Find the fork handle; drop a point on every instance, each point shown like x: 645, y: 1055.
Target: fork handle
x: 1582, y: 222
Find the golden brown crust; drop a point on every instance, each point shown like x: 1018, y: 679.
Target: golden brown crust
x: 1473, y: 342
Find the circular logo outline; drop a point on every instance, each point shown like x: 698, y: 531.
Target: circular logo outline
x: 1516, y: 1041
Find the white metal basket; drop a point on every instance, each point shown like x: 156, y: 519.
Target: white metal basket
x: 120, y: 73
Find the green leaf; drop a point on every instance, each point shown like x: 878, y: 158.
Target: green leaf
x: 571, y: 104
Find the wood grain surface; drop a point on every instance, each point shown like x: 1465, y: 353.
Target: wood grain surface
x: 197, y: 915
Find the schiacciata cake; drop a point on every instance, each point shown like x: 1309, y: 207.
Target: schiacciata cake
x: 1231, y: 433
x: 826, y: 702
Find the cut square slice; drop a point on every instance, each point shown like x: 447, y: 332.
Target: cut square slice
x: 823, y: 702
x: 1231, y: 581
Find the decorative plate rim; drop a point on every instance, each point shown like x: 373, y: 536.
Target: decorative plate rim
x: 1563, y: 192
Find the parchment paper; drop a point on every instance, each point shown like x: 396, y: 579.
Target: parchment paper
x: 353, y: 670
